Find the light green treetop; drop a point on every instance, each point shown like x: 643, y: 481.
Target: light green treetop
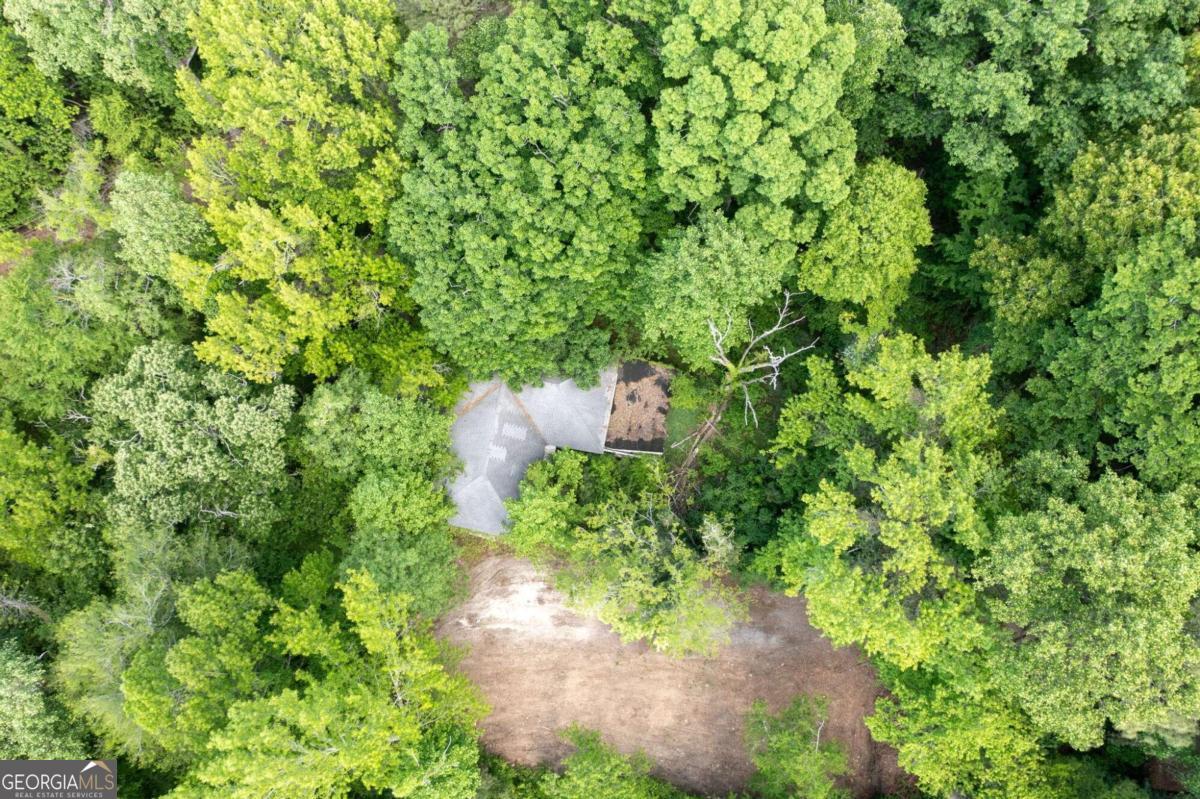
x: 179, y: 694
x: 373, y: 710
x: 750, y: 109
x: 49, y: 515
x: 879, y: 548
x: 867, y: 249
x: 31, y: 728
x: 789, y: 754
x: 296, y: 171
x: 297, y: 96
x: 712, y: 272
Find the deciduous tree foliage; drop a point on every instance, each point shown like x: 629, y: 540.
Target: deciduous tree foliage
x: 596, y: 769
x: 372, y: 710
x: 295, y: 170
x: 791, y: 758
x: 191, y: 447
x: 79, y: 302
x: 224, y: 437
x: 389, y: 459
x: 1103, y: 301
x: 750, y: 108
x: 197, y: 471
x: 135, y: 44
x: 60, y: 329
x: 1002, y: 80
x: 530, y: 199
x: 31, y: 726
x: 961, y: 739
x: 179, y: 693
x: 1100, y: 586
x: 878, y: 548
x: 867, y: 249
x: 34, y: 131
x: 153, y: 221
x: 712, y: 272
x: 302, y: 90
x: 619, y: 552
x: 49, y: 521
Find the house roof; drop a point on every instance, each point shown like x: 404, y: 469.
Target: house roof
x: 637, y: 424
x: 497, y: 433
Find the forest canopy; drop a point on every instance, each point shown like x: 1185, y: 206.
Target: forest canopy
x: 925, y: 275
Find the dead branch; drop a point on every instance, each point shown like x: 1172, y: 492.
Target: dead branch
x: 11, y: 604
x: 755, y: 364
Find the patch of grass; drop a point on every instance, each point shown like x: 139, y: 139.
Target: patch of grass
x: 690, y: 401
x: 474, y: 546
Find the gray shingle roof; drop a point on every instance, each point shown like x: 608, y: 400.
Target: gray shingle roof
x: 497, y: 433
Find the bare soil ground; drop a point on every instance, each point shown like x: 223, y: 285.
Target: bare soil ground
x: 542, y: 667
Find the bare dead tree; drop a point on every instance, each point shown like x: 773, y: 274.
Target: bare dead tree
x: 756, y: 364
x: 19, y: 607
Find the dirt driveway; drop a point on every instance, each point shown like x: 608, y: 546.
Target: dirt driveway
x: 542, y: 667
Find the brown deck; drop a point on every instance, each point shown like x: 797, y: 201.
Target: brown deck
x: 638, y: 422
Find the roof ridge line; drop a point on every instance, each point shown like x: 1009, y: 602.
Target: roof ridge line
x: 525, y: 411
x: 496, y: 383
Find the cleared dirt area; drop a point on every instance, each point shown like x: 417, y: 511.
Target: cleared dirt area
x: 542, y: 667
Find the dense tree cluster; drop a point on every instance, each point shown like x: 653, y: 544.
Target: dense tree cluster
x: 621, y: 552
x: 927, y: 273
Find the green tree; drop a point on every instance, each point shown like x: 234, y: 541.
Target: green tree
x: 198, y: 471
x: 75, y: 210
x: 180, y: 694
x: 305, y: 81
x: 1005, y: 87
x: 296, y: 173
x: 750, y: 109
x: 32, y: 727
x: 153, y: 221
x: 191, y: 446
x: 402, y: 537
x: 1101, y: 302
x: 595, y: 769
x: 60, y: 329
x: 135, y: 44
x: 34, y: 131
x: 867, y: 249
x: 620, y: 553
x: 878, y: 30
x: 374, y: 710
x: 712, y: 272
x: 352, y: 429
x: 96, y: 644
x: 527, y: 208
x: 49, y: 522
x: 992, y: 80
x: 960, y: 739
x: 879, y: 546
x: 792, y: 761
x: 1101, y: 586
x: 388, y: 458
